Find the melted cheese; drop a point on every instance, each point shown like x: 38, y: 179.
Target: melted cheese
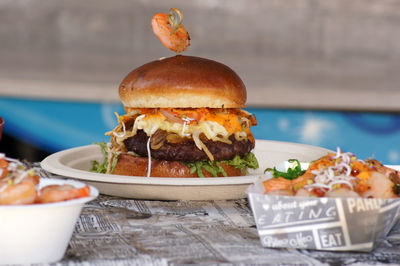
x: 229, y: 121
x: 150, y: 125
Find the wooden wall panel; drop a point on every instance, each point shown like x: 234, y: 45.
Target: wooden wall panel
x: 335, y: 54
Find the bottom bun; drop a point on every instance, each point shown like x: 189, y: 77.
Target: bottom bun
x: 137, y: 166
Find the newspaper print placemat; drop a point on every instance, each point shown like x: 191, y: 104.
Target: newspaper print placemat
x: 115, y: 231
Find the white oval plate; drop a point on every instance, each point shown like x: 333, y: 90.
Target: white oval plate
x: 76, y: 162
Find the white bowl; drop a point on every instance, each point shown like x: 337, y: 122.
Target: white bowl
x: 39, y: 233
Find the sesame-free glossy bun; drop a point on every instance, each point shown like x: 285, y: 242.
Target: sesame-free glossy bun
x: 183, y: 82
x: 131, y: 165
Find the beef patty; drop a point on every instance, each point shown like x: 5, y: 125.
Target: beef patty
x: 187, y: 150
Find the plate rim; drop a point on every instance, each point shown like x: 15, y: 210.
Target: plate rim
x: 53, y: 165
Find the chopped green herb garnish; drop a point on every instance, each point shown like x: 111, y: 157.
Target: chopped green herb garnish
x: 292, y: 172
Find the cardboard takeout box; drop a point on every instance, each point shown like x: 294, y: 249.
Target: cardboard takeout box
x: 335, y: 224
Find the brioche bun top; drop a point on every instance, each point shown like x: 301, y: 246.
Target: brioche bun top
x: 183, y: 82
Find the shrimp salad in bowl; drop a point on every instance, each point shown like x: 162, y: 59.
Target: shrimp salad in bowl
x: 19, y: 185
x: 339, y: 174
x: 51, y: 205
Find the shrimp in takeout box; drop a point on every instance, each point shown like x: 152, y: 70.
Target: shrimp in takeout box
x: 19, y: 186
x: 335, y: 203
x: 339, y: 174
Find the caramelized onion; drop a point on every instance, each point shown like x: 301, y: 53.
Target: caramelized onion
x: 158, y: 139
x: 223, y: 139
x: 200, y: 145
x: 207, y: 151
x: 196, y: 139
x: 171, y: 116
x: 156, y: 146
x: 174, y: 138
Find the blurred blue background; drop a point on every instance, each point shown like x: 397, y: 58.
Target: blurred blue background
x: 56, y: 125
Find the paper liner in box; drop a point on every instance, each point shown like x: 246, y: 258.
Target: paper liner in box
x: 334, y: 224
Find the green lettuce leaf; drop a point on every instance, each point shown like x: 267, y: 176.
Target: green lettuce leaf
x: 102, y: 167
x: 215, y: 168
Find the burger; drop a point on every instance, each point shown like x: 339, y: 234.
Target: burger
x: 182, y: 119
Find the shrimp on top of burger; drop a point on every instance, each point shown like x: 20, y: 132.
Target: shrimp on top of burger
x: 183, y: 119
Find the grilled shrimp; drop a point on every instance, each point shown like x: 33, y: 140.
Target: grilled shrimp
x: 23, y: 192
x: 55, y: 193
x: 342, y: 193
x: 277, y: 184
x: 170, y: 31
x: 394, y: 175
x: 17, y: 185
x: 379, y: 186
